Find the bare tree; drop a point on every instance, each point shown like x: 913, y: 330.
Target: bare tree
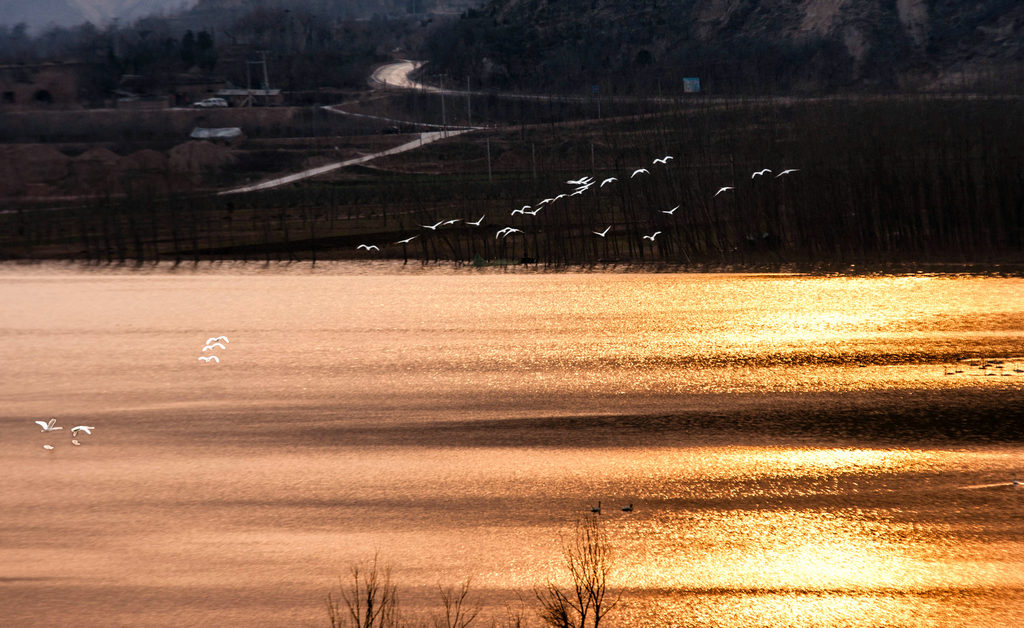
x: 457, y: 613
x: 584, y: 602
x: 369, y: 600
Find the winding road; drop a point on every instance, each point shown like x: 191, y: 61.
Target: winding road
x: 391, y: 75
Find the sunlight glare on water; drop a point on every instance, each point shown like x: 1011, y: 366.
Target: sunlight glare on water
x: 795, y: 450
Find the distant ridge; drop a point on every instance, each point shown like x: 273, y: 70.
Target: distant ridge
x: 40, y: 14
x: 737, y: 45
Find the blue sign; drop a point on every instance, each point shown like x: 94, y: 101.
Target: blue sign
x: 691, y: 85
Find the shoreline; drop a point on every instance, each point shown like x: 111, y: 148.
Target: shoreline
x: 1010, y: 268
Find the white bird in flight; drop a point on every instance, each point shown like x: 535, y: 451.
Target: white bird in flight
x: 534, y: 212
x: 652, y: 236
x: 368, y: 247
x: 477, y: 223
x: 452, y: 221
x: 722, y: 189
x: 670, y: 211
x: 758, y: 173
x: 506, y: 232
x: 434, y: 226
x: 547, y: 200
x: 608, y: 180
x: 49, y: 426
x: 521, y: 210
x: 407, y: 240
x: 663, y: 160
x: 787, y: 171
x: 580, y: 181
x: 639, y: 171
x: 208, y: 358
x: 603, y: 233
x: 214, y: 346
x: 82, y: 428
x: 48, y: 447
x: 217, y: 339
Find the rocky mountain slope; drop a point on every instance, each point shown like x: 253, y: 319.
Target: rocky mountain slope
x: 738, y: 45
x: 40, y: 14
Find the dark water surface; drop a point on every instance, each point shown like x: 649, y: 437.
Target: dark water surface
x: 794, y: 449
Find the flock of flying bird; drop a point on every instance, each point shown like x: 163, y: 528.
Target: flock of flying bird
x: 582, y: 184
x: 211, y: 344
x: 49, y: 427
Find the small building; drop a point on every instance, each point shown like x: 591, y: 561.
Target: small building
x: 39, y: 85
x: 225, y: 135
x: 241, y: 97
x: 189, y: 88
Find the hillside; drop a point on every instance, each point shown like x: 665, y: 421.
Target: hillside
x: 40, y: 14
x: 737, y: 45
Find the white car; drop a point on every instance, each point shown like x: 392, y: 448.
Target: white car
x: 210, y: 102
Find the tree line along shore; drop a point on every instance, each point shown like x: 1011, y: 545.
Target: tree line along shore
x: 906, y: 180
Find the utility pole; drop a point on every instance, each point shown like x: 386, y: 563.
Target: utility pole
x: 533, y: 158
x: 444, y: 120
x: 266, y: 78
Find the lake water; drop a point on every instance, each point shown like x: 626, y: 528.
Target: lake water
x: 794, y: 449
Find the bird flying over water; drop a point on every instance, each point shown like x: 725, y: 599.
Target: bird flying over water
x: 407, y: 240
x: 723, y: 189
x: 787, y: 171
x: 452, y: 221
x: 602, y: 233
x: 639, y: 171
x: 670, y: 211
x: 663, y: 160
x: 521, y: 210
x: 608, y: 180
x: 217, y: 339
x: 758, y: 173
x: 652, y: 236
x: 82, y: 428
x: 368, y: 247
x: 477, y: 223
x: 580, y: 181
x: 212, y: 357
x: 48, y: 447
x: 49, y: 426
x: 214, y: 346
x: 434, y: 226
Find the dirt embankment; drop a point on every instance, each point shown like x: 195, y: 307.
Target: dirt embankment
x: 39, y: 170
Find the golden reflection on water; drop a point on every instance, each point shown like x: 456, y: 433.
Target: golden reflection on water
x: 461, y: 422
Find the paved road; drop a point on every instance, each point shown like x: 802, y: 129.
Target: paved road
x: 397, y: 75
x: 422, y: 140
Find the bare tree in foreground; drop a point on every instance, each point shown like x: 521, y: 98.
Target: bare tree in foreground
x: 584, y: 602
x: 457, y: 612
x: 368, y: 601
